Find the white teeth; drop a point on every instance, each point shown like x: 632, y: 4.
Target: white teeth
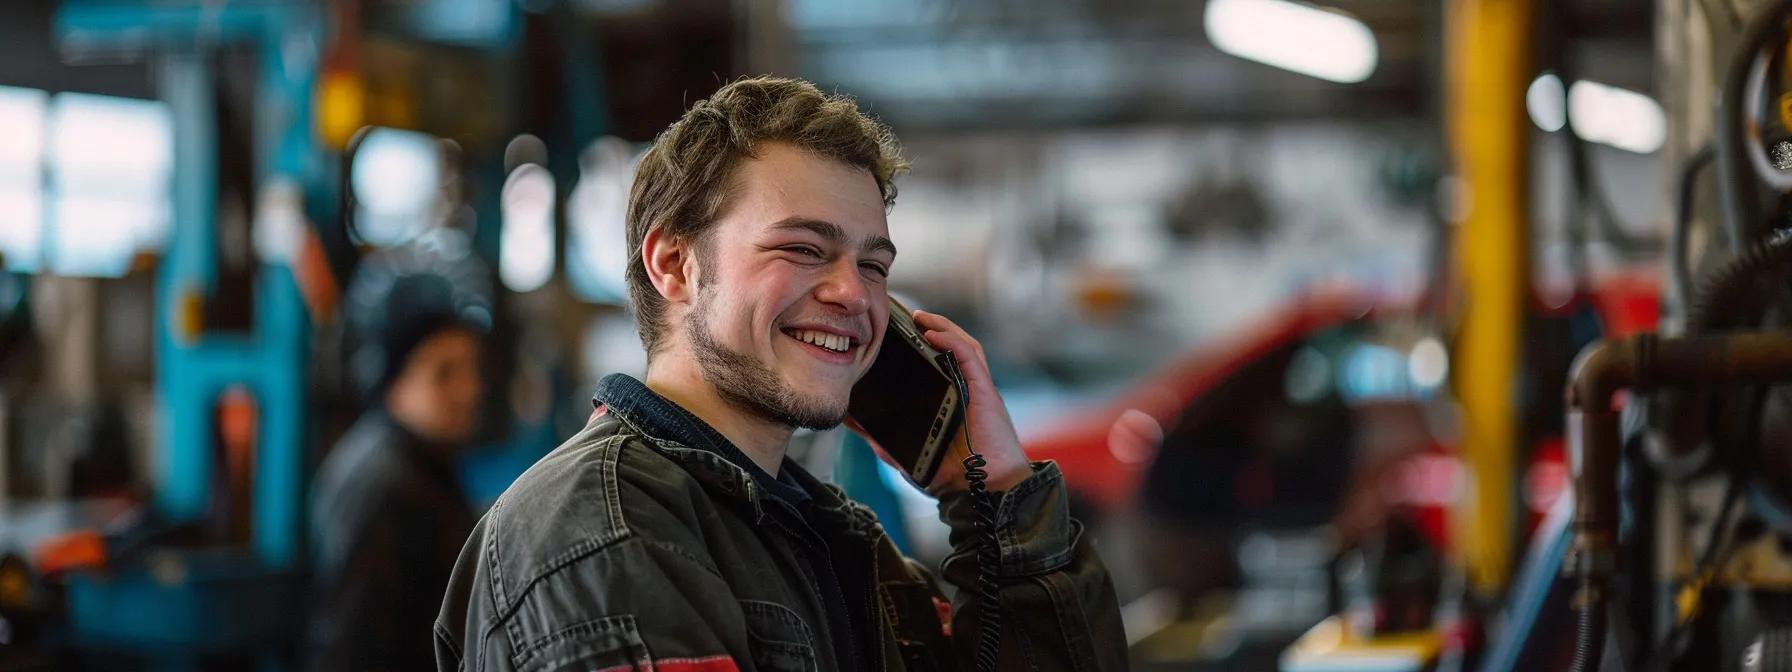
x: 823, y: 339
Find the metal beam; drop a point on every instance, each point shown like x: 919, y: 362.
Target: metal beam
x: 1487, y: 70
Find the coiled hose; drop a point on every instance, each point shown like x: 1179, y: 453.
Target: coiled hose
x: 1742, y: 286
x: 1738, y: 290
x: 1589, y: 633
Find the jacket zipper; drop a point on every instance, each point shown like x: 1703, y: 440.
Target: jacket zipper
x: 879, y: 610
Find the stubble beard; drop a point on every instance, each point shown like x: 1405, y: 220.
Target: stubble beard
x: 747, y: 383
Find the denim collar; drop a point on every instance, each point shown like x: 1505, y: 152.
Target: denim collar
x: 664, y: 420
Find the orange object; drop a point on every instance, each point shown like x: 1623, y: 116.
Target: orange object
x: 341, y: 108
x: 189, y: 315
x: 1102, y: 294
x: 317, y: 282
x: 82, y: 549
x: 238, y: 422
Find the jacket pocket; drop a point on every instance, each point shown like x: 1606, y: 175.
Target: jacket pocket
x: 777, y: 638
x: 920, y: 622
x: 605, y: 644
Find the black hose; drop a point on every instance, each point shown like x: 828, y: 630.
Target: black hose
x: 1736, y: 179
x: 1680, y: 266
x: 1736, y: 291
x: 1589, y: 630
x: 1741, y: 287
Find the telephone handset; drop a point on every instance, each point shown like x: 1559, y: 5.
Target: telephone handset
x: 912, y: 402
x: 908, y: 402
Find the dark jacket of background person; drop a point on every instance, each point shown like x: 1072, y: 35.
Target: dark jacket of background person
x: 625, y: 548
x: 387, y: 520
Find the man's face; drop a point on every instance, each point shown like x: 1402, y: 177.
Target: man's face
x: 791, y: 301
x: 436, y: 395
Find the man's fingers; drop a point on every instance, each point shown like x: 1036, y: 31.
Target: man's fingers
x: 938, y: 323
x: 963, y: 349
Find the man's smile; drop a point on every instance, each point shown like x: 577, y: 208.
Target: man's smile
x: 831, y: 345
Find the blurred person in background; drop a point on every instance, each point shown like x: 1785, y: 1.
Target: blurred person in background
x: 388, y: 516
x: 673, y: 532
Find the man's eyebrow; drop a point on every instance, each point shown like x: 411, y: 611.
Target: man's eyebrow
x: 876, y: 243
x: 834, y: 234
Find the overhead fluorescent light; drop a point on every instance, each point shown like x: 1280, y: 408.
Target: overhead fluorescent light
x: 1618, y: 117
x: 22, y: 114
x: 111, y: 167
x: 94, y: 236
x: 1323, y: 43
x: 396, y: 177
x: 21, y: 178
x: 1547, y: 102
x: 22, y: 228
x: 115, y: 145
x: 596, y: 214
x: 1428, y: 363
x: 526, y: 234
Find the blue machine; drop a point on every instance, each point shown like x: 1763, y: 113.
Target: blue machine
x: 177, y: 604
x: 174, y: 606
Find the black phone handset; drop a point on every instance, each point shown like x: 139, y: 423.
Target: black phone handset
x: 989, y: 640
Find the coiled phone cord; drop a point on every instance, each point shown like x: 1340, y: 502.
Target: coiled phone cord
x: 989, y: 639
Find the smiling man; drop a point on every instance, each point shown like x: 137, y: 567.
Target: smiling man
x: 672, y: 534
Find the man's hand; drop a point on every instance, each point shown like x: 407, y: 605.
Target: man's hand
x: 987, y: 424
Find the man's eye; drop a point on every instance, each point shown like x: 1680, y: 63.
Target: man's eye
x: 876, y: 268
x: 804, y: 250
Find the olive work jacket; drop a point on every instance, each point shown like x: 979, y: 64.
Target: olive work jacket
x: 621, y: 550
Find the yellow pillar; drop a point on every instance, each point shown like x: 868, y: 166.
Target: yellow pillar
x: 1487, y: 70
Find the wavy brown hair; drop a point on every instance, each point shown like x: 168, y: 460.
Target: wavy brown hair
x: 683, y: 181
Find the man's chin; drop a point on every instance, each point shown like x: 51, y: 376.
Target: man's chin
x: 819, y: 413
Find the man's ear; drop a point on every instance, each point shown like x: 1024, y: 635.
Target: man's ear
x: 669, y: 265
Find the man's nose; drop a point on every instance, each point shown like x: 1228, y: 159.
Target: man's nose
x: 845, y: 288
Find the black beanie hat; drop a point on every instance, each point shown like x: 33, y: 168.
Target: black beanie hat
x: 419, y: 306
x: 401, y: 297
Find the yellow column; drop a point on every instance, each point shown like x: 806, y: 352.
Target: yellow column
x: 1486, y: 73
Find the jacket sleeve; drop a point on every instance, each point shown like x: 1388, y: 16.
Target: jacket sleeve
x: 1058, y: 607
x: 628, y: 603
x: 353, y: 622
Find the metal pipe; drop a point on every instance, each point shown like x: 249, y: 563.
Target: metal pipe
x: 1641, y: 363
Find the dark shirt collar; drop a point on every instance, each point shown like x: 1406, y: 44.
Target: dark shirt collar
x: 664, y: 419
